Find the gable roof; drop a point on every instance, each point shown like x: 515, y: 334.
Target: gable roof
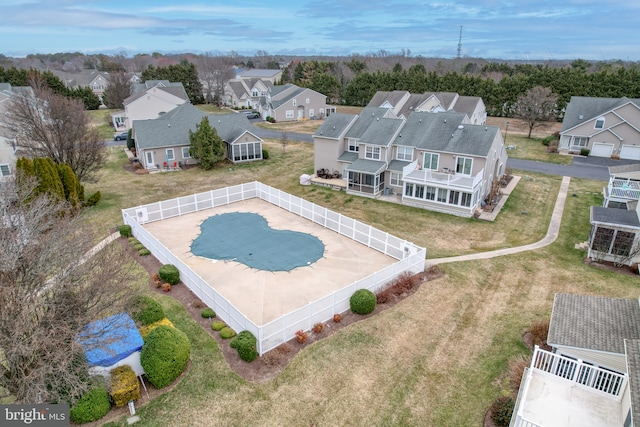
x: 365, y: 118
x: 593, y: 322
x: 258, y: 72
x: 140, y: 89
x: 172, y: 129
x: 613, y: 216
x: 335, y: 125
x: 392, y: 97
x: 445, y: 132
x: 581, y: 109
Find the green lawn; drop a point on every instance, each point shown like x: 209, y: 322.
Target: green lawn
x: 438, y: 358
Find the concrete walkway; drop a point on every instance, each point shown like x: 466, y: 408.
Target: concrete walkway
x: 552, y: 234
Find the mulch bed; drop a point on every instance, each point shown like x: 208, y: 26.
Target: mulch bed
x: 269, y: 365
x: 607, y: 265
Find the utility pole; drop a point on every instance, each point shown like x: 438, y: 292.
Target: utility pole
x: 460, y: 43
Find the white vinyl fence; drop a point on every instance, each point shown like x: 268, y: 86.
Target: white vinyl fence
x: 411, y: 258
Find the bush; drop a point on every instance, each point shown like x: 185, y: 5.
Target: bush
x: 208, y: 313
x: 144, y: 252
x: 265, y: 154
x: 515, y: 369
x: 227, y: 332
x: 124, y: 385
x: 362, y: 301
x: 125, y: 231
x: 93, y: 199
x: 132, y: 240
x: 138, y: 246
x: 92, y: 406
x: 217, y: 325
x: 170, y: 274
x: 337, y: 318
x: 584, y: 151
x: 146, y: 310
x: 539, y: 332
x: 301, y: 336
x: 501, y: 411
x: 144, y: 330
x: 245, y: 342
x: 318, y: 327
x: 164, y: 355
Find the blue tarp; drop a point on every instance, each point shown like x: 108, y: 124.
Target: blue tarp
x: 109, y: 340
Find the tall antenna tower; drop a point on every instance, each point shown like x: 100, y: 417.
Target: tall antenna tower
x: 460, y: 43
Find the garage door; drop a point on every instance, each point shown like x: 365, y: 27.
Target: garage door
x: 630, y: 152
x: 600, y: 149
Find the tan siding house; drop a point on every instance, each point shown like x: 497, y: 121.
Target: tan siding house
x: 289, y: 102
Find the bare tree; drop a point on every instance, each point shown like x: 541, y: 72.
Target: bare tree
x: 537, y: 105
x: 50, y: 289
x: 284, y: 140
x: 118, y: 89
x: 215, y: 71
x: 57, y: 127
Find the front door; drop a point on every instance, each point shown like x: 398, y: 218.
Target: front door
x: 149, y: 159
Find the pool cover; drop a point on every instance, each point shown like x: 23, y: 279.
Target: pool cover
x: 247, y: 238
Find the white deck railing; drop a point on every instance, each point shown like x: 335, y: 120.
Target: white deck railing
x: 450, y: 180
x: 623, y: 189
x: 609, y: 383
x: 411, y: 258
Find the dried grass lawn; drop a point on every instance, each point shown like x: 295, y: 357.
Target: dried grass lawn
x: 437, y: 358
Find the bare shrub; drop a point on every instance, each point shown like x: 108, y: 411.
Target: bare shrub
x: 515, y: 369
x: 539, y: 331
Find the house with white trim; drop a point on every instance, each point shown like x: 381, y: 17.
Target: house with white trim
x: 623, y: 186
x: 592, y: 375
x: 163, y: 142
x: 607, y: 127
x: 289, y: 102
x: 8, y: 136
x: 435, y: 161
x: 149, y: 100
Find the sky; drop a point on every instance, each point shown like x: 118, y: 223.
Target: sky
x: 595, y: 30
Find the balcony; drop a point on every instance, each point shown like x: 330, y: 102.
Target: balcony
x: 622, y: 190
x: 444, y: 178
x: 560, y: 391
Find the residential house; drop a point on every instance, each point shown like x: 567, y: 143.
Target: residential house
x: 163, y: 142
x: 605, y: 126
x: 435, y: 161
x: 592, y: 375
x: 623, y: 186
x: 289, y: 102
x: 246, y: 93
x: 8, y: 136
x: 404, y: 103
x: 615, y: 234
x: 148, y: 101
x: 267, y: 75
x: 98, y: 81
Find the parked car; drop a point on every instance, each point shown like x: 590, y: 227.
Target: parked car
x: 252, y: 115
x: 121, y: 136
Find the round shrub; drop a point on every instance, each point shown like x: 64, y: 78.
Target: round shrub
x: 132, y: 240
x: 144, y: 252
x: 92, y: 406
x: 217, y: 325
x: 138, y: 246
x: 245, y: 342
x: 125, y: 230
x: 362, y: 301
x: 265, y: 155
x: 164, y: 355
x: 170, y: 274
x: 208, y: 313
x: 146, y: 310
x: 501, y: 411
x: 227, y: 332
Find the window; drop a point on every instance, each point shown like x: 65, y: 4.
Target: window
x: 602, y: 239
x: 465, y: 199
x: 442, y: 195
x: 623, y: 243
x: 254, y: 93
x: 372, y: 153
x: 170, y: 156
x: 408, y: 190
x: 599, y: 123
x: 311, y: 112
x: 431, y: 161
x: 454, y: 196
x: 185, y: 153
x: 405, y: 153
x: 289, y: 114
x: 307, y: 100
x: 580, y: 141
x: 4, y: 170
x: 419, y: 194
x: 353, y: 145
x: 431, y: 193
x: 295, y: 102
x: 463, y: 165
x: 395, y: 179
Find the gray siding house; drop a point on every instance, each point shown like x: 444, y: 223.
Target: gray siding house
x: 434, y: 161
x: 164, y: 142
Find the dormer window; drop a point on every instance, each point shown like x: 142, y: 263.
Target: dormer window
x: 295, y: 102
x: 599, y: 123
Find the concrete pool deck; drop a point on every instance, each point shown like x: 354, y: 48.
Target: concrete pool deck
x: 264, y: 295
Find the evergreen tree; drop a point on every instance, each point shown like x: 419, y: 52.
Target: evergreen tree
x: 48, y: 179
x: 69, y: 183
x: 206, y: 146
x: 184, y: 72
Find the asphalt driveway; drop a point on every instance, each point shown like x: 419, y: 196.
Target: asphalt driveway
x: 582, y: 167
